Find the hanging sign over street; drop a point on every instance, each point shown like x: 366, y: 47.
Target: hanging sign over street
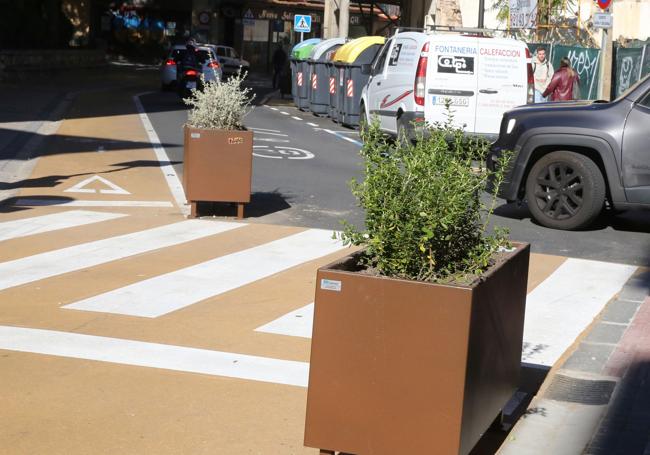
x: 302, y: 23
x: 523, y: 13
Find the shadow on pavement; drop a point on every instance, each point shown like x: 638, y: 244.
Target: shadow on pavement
x: 9, y: 205
x: 262, y: 203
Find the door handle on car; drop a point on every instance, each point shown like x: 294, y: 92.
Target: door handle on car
x: 488, y: 91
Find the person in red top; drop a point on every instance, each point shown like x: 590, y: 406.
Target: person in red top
x: 565, y: 84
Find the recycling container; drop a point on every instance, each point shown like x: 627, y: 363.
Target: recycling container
x: 349, y: 59
x: 300, y: 72
x: 333, y: 83
x: 319, y: 80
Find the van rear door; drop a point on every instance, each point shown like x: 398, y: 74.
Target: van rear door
x: 502, y: 81
x: 452, y: 77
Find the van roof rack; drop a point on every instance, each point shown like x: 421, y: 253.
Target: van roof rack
x: 453, y: 28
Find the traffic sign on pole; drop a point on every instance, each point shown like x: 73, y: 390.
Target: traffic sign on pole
x: 302, y: 23
x: 604, y: 4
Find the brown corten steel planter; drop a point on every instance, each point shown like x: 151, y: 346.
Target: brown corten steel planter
x: 218, y: 166
x: 408, y: 367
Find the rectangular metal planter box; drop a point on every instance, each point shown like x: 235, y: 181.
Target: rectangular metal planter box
x: 217, y: 166
x: 408, y: 367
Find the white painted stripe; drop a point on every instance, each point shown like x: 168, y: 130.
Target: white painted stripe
x: 311, y: 124
x: 564, y: 304
x: 26, y: 202
x: 264, y: 129
x: 53, y: 222
x: 345, y: 138
x: 284, y: 113
x: 270, y: 133
x: 57, y: 262
x: 154, y: 355
x: 166, y: 167
x: 298, y: 323
x: 270, y: 139
x: 170, y: 292
x: 296, y: 118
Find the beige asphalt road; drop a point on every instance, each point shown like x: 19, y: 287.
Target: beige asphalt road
x: 74, y: 381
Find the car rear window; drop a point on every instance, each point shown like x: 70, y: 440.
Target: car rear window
x: 201, y: 55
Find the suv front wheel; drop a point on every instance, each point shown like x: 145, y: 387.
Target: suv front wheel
x: 565, y: 190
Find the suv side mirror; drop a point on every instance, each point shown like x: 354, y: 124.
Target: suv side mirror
x: 366, y: 68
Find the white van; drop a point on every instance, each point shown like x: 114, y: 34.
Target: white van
x: 416, y: 73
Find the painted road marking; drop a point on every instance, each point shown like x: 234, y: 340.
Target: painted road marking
x: 296, y: 118
x: 27, y: 202
x: 339, y: 135
x: 57, y: 262
x: 173, y: 182
x: 163, y: 294
x: 81, y: 186
x: 266, y: 139
x: 53, y: 222
x: 154, y: 355
x: 284, y: 113
x: 298, y: 323
x: 270, y: 133
x: 278, y: 152
x: 312, y: 124
x: 564, y: 304
x: 264, y: 130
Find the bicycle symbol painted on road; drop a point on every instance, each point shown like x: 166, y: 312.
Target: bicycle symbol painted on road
x: 280, y: 152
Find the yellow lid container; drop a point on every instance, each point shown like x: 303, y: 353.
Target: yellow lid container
x: 349, y: 52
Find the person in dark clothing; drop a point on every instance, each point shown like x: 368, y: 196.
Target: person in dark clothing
x: 189, y: 60
x: 279, y: 58
x: 565, y: 84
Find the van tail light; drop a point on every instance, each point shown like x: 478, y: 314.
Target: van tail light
x: 170, y: 62
x: 421, y: 75
x: 191, y: 73
x: 531, y: 77
x: 213, y: 65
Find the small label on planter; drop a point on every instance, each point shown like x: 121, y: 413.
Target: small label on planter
x: 195, y: 135
x: 330, y: 285
x: 235, y: 140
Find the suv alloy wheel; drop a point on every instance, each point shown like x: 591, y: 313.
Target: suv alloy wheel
x: 565, y: 190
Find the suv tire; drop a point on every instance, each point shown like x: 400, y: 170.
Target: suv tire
x: 363, y: 118
x: 565, y: 190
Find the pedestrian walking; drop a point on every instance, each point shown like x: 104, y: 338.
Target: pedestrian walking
x: 279, y: 59
x: 543, y: 73
x: 565, y: 84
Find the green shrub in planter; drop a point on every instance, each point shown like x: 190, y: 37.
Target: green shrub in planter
x: 424, y: 219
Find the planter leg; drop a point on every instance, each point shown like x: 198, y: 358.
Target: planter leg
x: 193, y: 209
x: 240, y: 211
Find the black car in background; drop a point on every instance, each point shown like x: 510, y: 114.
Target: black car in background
x: 569, y: 158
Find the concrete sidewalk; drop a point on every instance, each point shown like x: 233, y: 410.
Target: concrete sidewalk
x: 596, y: 401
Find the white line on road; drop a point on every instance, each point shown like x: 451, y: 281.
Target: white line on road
x: 169, y: 292
x: 270, y: 133
x: 166, y: 167
x: 296, y: 118
x: 312, y: 124
x: 27, y: 202
x: 266, y: 130
x: 57, y: 262
x: 264, y: 139
x: 298, y: 323
x: 53, y: 222
x: 284, y: 113
x: 339, y: 135
x: 564, y: 304
x: 154, y: 355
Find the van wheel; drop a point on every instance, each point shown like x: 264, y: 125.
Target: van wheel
x: 565, y: 190
x: 363, y: 119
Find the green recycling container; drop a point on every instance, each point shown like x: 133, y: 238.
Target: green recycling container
x: 300, y: 72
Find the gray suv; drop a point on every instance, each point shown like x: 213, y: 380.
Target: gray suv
x: 569, y: 158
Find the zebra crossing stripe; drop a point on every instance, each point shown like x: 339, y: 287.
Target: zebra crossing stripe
x: 298, y: 323
x: 52, y: 222
x: 57, y: 262
x: 154, y: 355
x: 163, y: 294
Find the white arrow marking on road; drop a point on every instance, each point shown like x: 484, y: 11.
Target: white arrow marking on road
x: 154, y: 355
x: 79, y: 187
x: 163, y: 294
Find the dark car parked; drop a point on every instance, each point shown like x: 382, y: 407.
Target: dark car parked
x: 569, y: 158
